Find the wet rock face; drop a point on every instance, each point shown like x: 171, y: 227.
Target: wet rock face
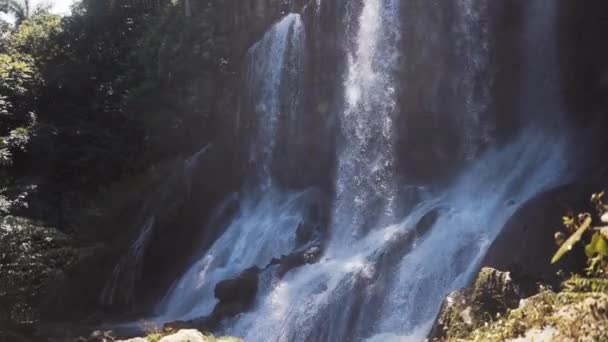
x: 426, y: 222
x: 525, y: 245
x: 305, y: 232
x: 296, y: 259
x: 311, y: 231
x: 463, y: 311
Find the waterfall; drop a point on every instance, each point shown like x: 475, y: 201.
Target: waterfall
x: 365, y: 181
x: 473, y: 47
x: 120, y: 288
x: 384, y: 272
x: 265, y: 225
x: 264, y: 228
x: 272, y: 85
x: 382, y: 277
x: 540, y: 97
x: 127, y: 271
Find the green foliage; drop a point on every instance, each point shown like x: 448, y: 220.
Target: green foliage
x: 90, y: 102
x: 584, y: 222
x: 16, y: 141
x: 578, y: 283
x: 30, y: 256
x: 22, y: 52
x: 16, y: 73
x: 19, y: 81
x: 154, y: 337
x: 580, y: 227
x: 35, y: 37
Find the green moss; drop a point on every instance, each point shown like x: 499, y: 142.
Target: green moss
x: 154, y: 337
x: 574, y: 314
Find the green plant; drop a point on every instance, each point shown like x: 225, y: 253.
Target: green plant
x: 578, y: 283
x: 581, y: 228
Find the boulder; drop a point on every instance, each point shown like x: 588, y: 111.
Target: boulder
x: 235, y: 295
x: 240, y: 289
x: 183, y: 335
x: 492, y: 294
x: 187, y: 335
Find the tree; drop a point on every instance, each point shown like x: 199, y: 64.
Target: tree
x: 23, y: 9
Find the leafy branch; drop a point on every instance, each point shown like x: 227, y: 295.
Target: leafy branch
x: 581, y: 228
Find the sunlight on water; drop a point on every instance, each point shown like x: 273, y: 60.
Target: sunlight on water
x: 438, y: 263
x: 365, y: 166
x: 265, y: 226
x: 381, y: 277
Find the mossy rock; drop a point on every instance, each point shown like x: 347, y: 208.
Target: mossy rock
x: 183, y: 335
x: 491, y: 295
x: 569, y: 315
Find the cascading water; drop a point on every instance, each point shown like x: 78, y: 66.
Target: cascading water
x: 388, y: 283
x: 540, y: 97
x: 263, y: 229
x: 266, y: 222
x: 120, y: 289
x: 365, y: 183
x: 382, y: 276
x: 473, y: 47
x: 127, y: 270
x: 274, y: 67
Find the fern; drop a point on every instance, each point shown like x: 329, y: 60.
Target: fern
x: 583, y: 284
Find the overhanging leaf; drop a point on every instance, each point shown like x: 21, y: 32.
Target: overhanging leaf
x: 572, y: 240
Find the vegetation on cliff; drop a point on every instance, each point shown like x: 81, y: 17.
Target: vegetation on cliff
x: 96, y: 108
x: 495, y: 308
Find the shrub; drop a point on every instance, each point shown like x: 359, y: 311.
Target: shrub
x: 582, y: 230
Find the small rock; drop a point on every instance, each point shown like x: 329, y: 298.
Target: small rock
x: 466, y: 316
x: 189, y: 335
